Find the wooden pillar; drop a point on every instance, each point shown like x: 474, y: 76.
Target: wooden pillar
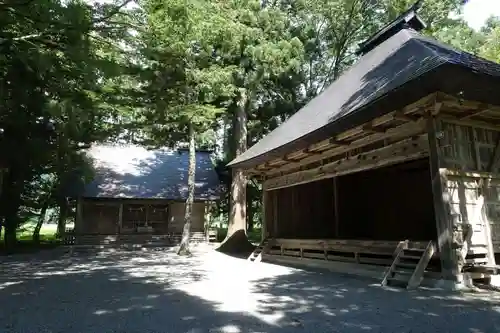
x: 336, y: 207
x: 275, y: 213
x: 120, y: 217
x: 444, y: 221
x: 265, y: 196
x: 79, y: 216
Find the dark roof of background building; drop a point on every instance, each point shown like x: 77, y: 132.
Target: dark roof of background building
x: 129, y: 171
x: 407, y: 64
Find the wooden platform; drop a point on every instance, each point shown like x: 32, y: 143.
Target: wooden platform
x: 344, y: 250
x: 369, y: 259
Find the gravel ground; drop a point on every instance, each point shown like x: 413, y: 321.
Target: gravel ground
x: 156, y: 291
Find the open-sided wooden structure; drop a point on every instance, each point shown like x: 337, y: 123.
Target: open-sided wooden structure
x: 393, y: 170
x: 138, y: 196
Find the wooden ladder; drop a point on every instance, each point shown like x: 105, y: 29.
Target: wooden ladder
x: 256, y: 255
x: 407, y: 269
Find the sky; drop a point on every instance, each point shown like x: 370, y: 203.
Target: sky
x: 477, y: 11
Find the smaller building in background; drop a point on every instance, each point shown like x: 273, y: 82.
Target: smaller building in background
x: 138, y: 195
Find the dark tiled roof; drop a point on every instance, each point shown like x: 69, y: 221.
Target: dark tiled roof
x: 400, y: 59
x: 128, y: 171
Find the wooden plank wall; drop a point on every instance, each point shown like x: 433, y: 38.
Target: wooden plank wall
x: 390, y: 203
x: 99, y: 218
x: 102, y: 217
x: 473, y: 190
x: 176, y: 217
x: 305, y: 210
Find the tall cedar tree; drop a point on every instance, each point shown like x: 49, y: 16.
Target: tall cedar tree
x: 258, y: 44
x: 51, y: 94
x: 182, y: 80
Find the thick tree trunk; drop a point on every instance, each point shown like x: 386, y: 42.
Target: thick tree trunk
x: 11, y: 201
x: 186, y: 231
x: 250, y: 215
x: 63, y: 216
x: 39, y: 223
x: 236, y: 241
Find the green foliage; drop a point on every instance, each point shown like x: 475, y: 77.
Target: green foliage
x: 74, y: 74
x: 57, y: 60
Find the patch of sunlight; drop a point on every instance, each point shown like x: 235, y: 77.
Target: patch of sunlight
x: 101, y: 312
x: 226, y: 329
x: 475, y: 330
x: 302, y: 309
x: 8, y: 284
x: 329, y: 312
x: 360, y: 326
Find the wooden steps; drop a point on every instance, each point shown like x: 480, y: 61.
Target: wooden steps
x: 407, y: 269
x: 256, y: 255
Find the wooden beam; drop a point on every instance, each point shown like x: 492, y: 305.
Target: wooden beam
x: 467, y: 122
x: 437, y: 108
x: 475, y: 113
x: 336, y: 142
x: 373, y: 129
x: 395, y: 153
x: 404, y: 130
x: 455, y: 102
x: 340, y: 139
x: 309, y: 151
x: 444, y: 224
x: 495, y: 157
x: 405, y: 117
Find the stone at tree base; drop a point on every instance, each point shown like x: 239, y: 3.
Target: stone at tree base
x: 237, y: 244
x: 495, y: 281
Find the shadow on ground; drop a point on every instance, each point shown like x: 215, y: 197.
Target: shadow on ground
x: 351, y: 305
x: 145, y: 291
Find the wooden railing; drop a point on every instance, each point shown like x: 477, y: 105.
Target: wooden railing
x: 356, y: 251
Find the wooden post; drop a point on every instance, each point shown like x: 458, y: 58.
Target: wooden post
x: 79, y: 216
x: 275, y: 214
x: 120, y: 217
x: 444, y: 223
x: 336, y: 206
x: 265, y: 196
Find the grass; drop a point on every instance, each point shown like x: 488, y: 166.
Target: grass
x: 47, y: 233
x: 25, y: 242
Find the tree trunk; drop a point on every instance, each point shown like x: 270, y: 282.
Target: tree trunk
x: 184, y: 246
x: 39, y: 223
x: 250, y: 215
x: 63, y: 216
x: 236, y: 241
x: 12, y: 188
